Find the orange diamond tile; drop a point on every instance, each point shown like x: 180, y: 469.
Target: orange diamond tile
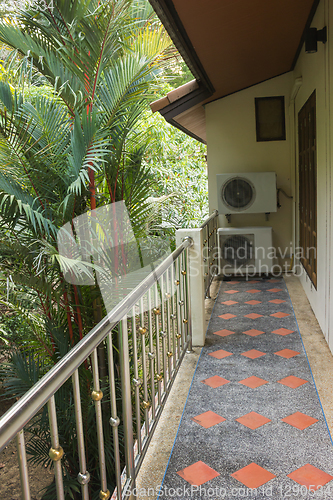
x: 253, y: 382
x: 253, y: 475
x: 280, y: 315
x: 232, y: 282
x: 224, y: 333
x: 198, y: 473
x: 220, y: 354
x: 208, y: 419
x: 253, y: 291
x: 287, y: 353
x: 292, y: 381
x: 299, y: 420
x: 277, y: 301
x: 254, y: 281
x: 308, y: 475
x: 227, y: 316
x: 229, y: 302
x: 283, y: 331
x: 231, y: 291
x: 253, y: 316
x: 253, y: 420
x: 253, y: 333
x: 253, y: 302
x: 253, y: 354
x: 275, y: 290
x: 275, y: 281
x: 215, y: 381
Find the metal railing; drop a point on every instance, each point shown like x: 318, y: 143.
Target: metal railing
x: 156, y: 318
x: 210, y: 252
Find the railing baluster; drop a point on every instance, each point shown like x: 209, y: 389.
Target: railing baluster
x: 182, y: 298
x: 127, y: 401
x: 163, y: 333
x: 179, y: 310
x: 187, y: 319
x: 83, y: 476
x: 157, y: 311
x: 97, y: 395
x: 173, y: 315
x: 23, y: 466
x: 137, y: 382
x: 151, y: 355
x: 146, y: 402
x: 114, y: 420
x: 56, y: 452
x: 167, y: 296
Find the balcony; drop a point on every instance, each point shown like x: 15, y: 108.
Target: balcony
x: 245, y: 416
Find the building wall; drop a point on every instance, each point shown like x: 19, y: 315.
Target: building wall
x: 315, y: 70
x: 232, y: 147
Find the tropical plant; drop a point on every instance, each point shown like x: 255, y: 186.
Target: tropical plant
x: 69, y: 142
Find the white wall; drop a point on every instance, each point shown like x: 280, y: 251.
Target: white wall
x: 232, y: 147
x: 315, y: 70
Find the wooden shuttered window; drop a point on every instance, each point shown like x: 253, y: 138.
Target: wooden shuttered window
x: 308, y: 187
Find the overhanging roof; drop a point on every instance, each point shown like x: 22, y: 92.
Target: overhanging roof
x: 233, y: 44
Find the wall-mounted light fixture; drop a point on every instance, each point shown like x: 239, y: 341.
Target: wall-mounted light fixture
x: 312, y: 36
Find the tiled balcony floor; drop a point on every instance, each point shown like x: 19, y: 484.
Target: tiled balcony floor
x: 252, y: 418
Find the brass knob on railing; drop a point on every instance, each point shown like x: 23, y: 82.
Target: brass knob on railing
x: 181, y: 302
x: 83, y: 478
x: 146, y: 404
x: 159, y: 377
x: 185, y: 321
x: 142, y: 330
x: 183, y: 272
x: 96, y: 395
x: 173, y: 316
x: 170, y: 354
x: 167, y: 295
x: 163, y: 334
x: 177, y: 282
x: 205, y: 241
x: 156, y: 311
x: 151, y: 355
x: 178, y: 336
x: 56, y: 454
x: 104, y: 495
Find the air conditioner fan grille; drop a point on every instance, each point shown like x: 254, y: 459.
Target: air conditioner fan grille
x: 238, y: 193
x: 237, y: 250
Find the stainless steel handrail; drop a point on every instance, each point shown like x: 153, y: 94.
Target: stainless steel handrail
x: 13, y: 421
x: 211, y: 217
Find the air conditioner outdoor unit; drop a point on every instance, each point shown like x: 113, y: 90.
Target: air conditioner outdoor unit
x: 249, y: 193
x: 245, y: 250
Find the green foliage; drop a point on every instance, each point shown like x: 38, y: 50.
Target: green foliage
x: 178, y: 166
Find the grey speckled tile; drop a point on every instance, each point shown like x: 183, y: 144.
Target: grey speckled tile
x: 229, y: 446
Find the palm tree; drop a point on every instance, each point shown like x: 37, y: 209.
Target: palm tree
x: 69, y: 149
